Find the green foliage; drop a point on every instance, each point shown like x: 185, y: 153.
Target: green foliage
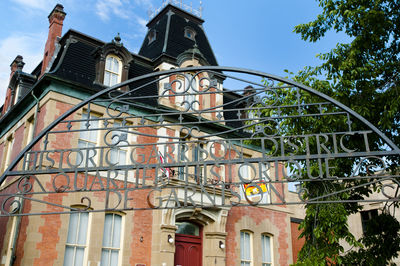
x: 381, y: 242
x: 364, y: 75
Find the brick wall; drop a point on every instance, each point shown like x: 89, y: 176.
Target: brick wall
x: 297, y: 243
x: 259, y: 218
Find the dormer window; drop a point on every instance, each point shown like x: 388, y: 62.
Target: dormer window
x: 112, y: 63
x: 152, y: 36
x: 17, y: 94
x: 190, y: 33
x: 112, y: 70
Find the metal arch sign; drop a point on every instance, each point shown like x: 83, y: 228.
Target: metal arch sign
x: 182, y: 140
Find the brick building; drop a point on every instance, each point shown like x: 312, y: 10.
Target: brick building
x: 75, y: 67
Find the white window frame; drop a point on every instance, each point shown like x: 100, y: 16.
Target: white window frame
x: 191, y: 88
x: 75, y: 245
x: 30, y: 125
x: 190, y: 33
x: 265, y: 249
x: 182, y: 170
x: 110, y: 71
x: 164, y: 172
x: 152, y: 36
x: 198, y: 170
x: 246, y: 259
x: 112, y: 247
x: 88, y: 139
x: 16, y: 94
x: 117, y: 149
x: 8, y: 151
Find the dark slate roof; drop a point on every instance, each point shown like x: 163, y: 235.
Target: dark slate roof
x: 169, y: 25
x: 76, y: 63
x: 154, y: 49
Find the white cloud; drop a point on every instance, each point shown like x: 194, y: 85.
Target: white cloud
x: 124, y: 9
x: 145, y: 3
x: 107, y: 8
x: 30, y: 46
x: 142, y: 23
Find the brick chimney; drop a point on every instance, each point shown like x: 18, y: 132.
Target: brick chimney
x: 16, y: 64
x: 56, y: 19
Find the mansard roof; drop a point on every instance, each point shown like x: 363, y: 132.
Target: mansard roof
x: 76, y: 60
x: 169, y: 26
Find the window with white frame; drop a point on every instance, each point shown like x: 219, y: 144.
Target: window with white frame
x: 182, y: 156
x: 113, y: 70
x: 30, y: 123
x: 16, y: 94
x: 87, y: 140
x: 152, y: 36
x: 165, y: 172
x: 245, y: 249
x: 8, y: 152
x: 118, y: 152
x: 198, y: 169
x: 266, y: 249
x: 191, y: 89
x: 29, y: 127
x: 110, y: 252
x: 190, y: 33
x: 76, y: 246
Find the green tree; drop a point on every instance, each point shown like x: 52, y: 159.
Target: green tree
x: 381, y: 241
x: 364, y: 75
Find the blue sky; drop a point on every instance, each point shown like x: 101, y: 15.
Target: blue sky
x: 256, y: 34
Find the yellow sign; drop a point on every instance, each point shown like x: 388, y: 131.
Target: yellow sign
x: 252, y: 190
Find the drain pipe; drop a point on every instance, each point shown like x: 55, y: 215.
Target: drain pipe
x: 18, y: 222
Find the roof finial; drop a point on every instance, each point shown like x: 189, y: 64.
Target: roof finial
x: 117, y: 40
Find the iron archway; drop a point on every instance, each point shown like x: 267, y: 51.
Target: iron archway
x: 236, y: 140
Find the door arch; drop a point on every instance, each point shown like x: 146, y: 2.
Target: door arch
x: 188, y: 244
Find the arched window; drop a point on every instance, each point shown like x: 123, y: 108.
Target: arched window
x: 112, y: 70
x: 118, y: 151
x: 188, y: 228
x: 112, y: 63
x: 191, y: 89
x: 152, y: 36
x: 266, y: 249
x: 110, y: 253
x: 246, y: 248
x: 77, y: 239
x: 88, y: 139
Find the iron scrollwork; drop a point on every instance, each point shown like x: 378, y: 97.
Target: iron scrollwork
x: 181, y: 139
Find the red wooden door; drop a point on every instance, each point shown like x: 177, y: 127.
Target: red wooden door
x: 187, y: 250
